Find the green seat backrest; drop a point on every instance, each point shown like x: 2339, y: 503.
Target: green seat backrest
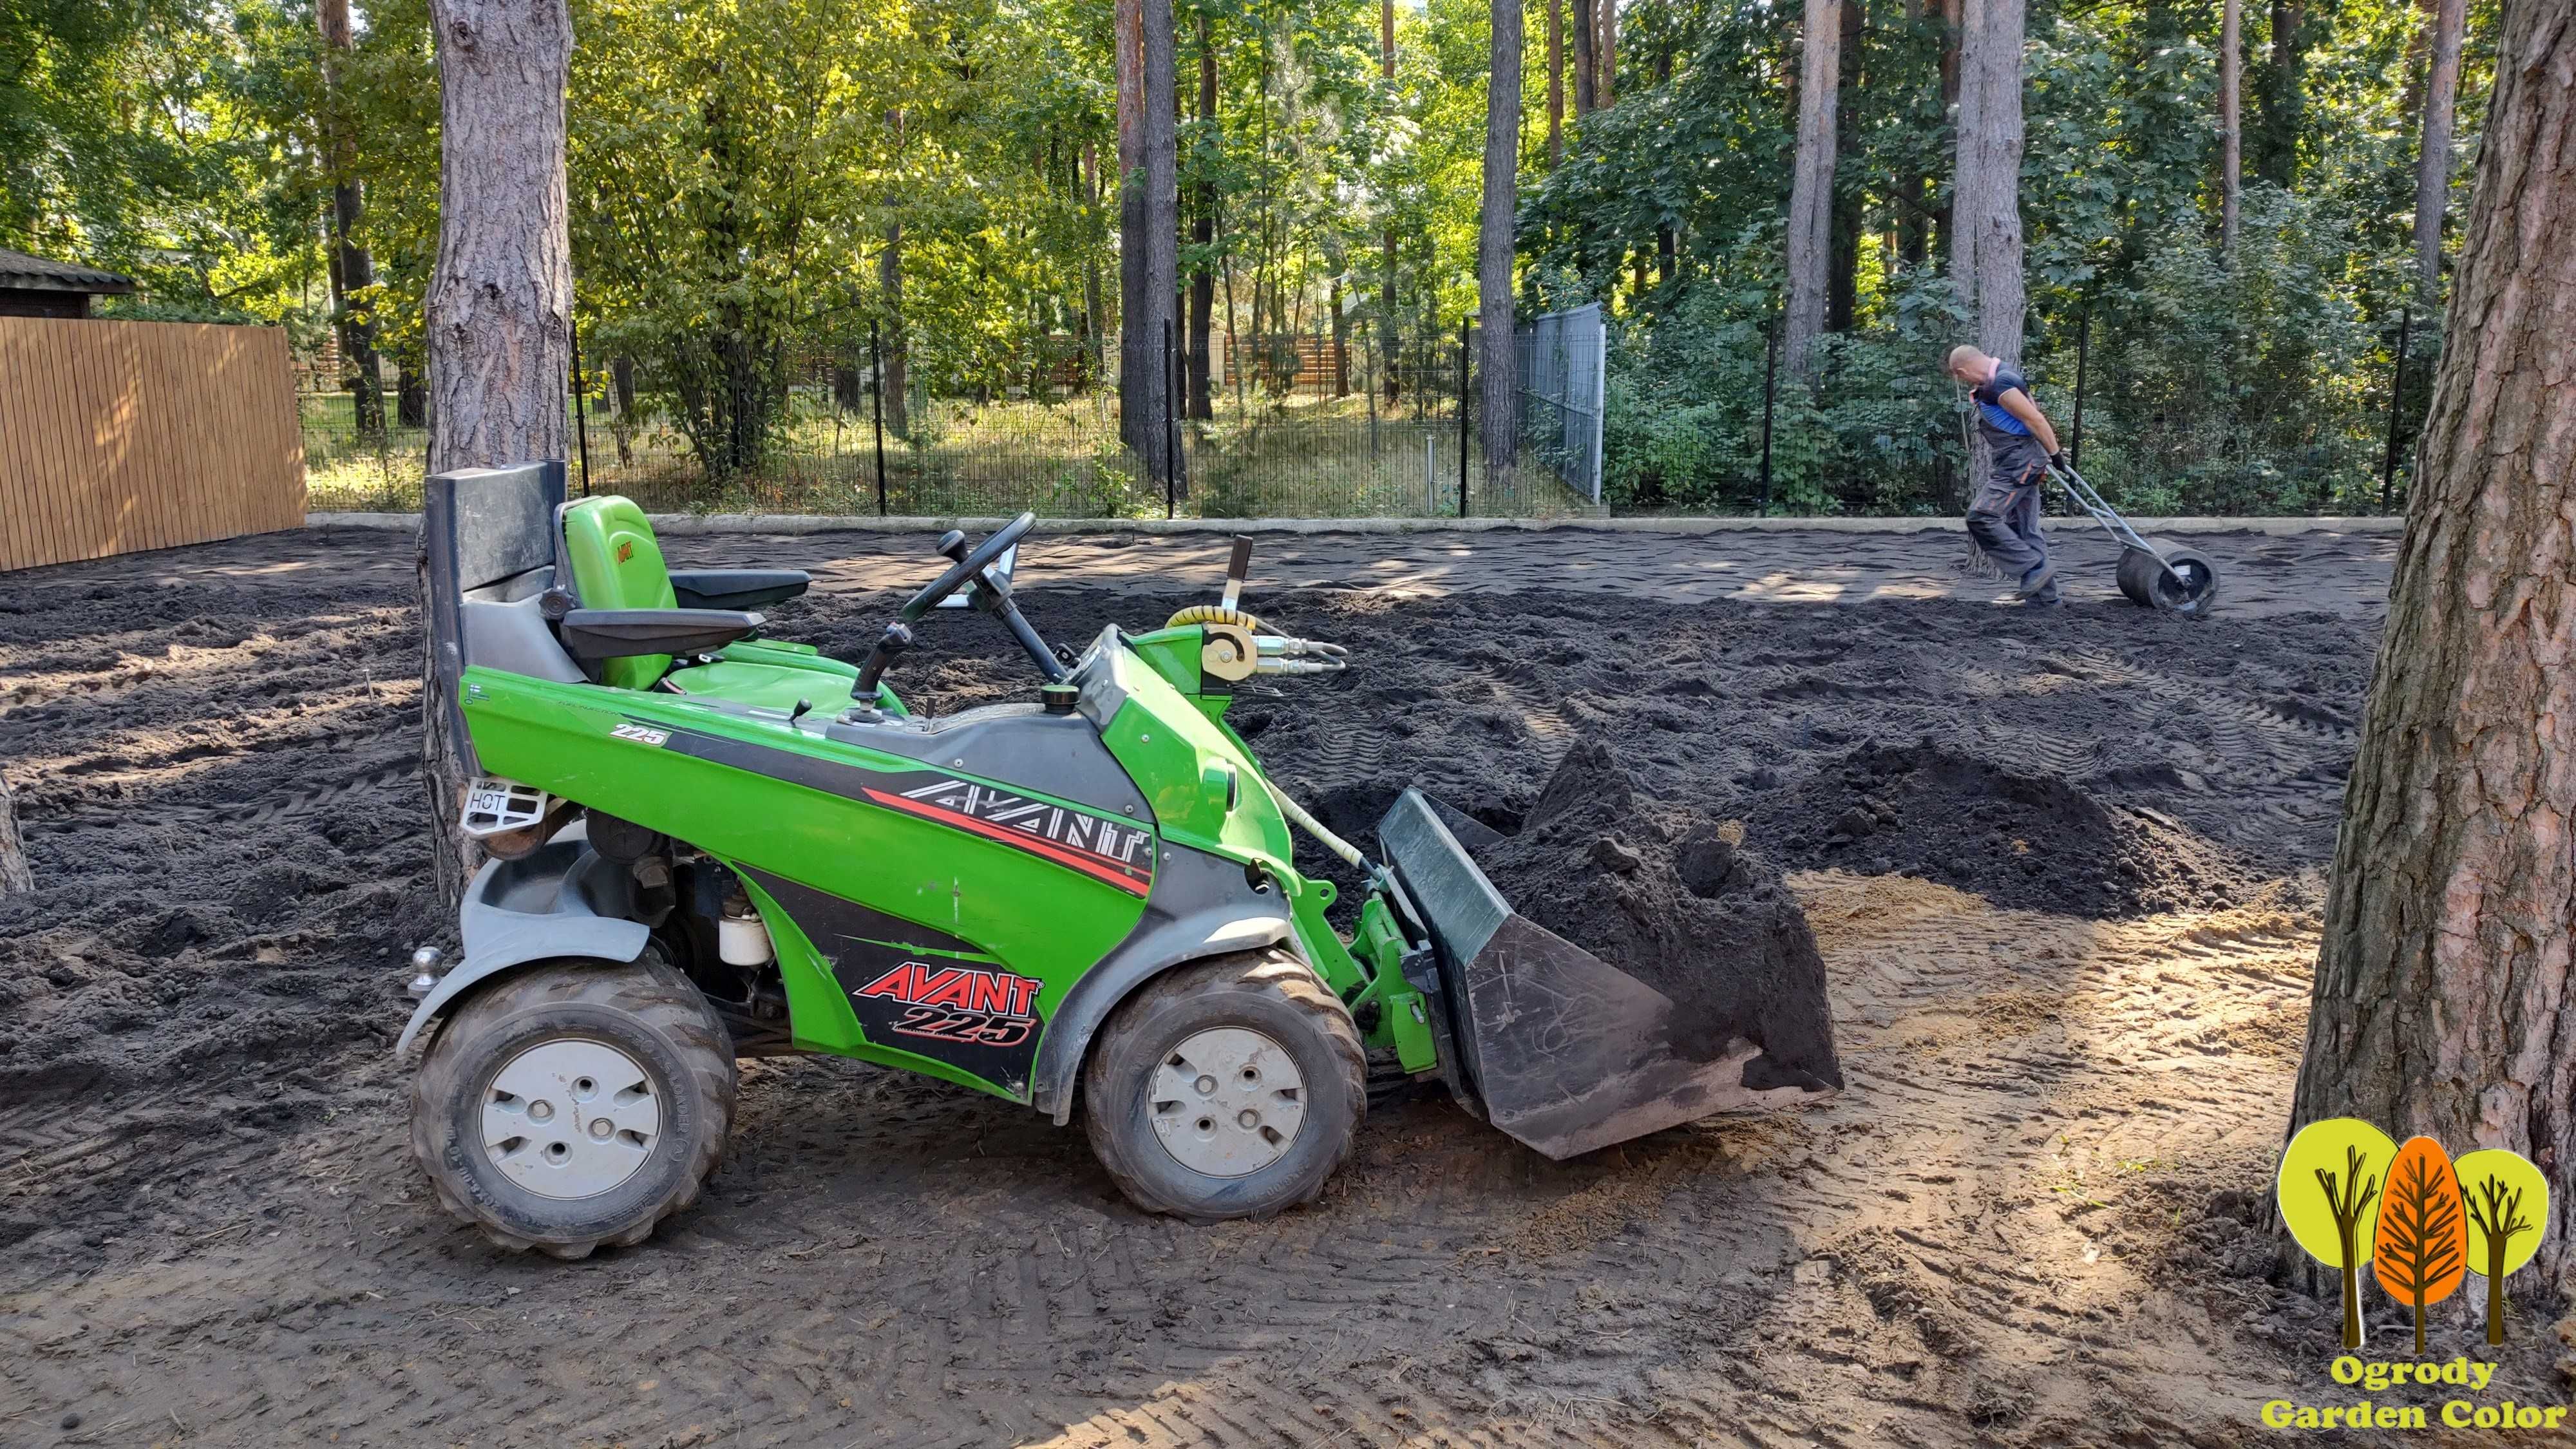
x: 617, y: 565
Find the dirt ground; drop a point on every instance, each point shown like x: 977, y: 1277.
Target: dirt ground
x: 2062, y: 867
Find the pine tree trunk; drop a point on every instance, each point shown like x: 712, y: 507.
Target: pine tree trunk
x: 1842, y: 274
x: 1203, y: 239
x: 1811, y: 184
x: 500, y: 297
x: 1907, y: 202
x: 411, y: 395
x: 1953, y: 27
x: 2442, y: 1003
x: 1149, y: 228
x: 1389, y: 320
x: 14, y: 874
x: 2231, y: 125
x: 1095, y: 324
x: 2284, y: 96
x: 353, y: 269
x: 1499, y: 396
x: 621, y: 386
x: 2433, y: 161
x: 1555, y: 83
x: 895, y: 355
x: 1986, y: 250
x: 1985, y: 199
x: 1128, y: 35
x: 1586, y: 33
x: 1605, y: 91
x: 1341, y: 338
x: 1162, y: 222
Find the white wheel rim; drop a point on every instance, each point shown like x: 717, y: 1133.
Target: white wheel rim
x: 1226, y: 1102
x: 571, y: 1118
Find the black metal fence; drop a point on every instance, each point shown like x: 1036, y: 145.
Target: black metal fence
x: 1564, y: 373
x: 1368, y: 423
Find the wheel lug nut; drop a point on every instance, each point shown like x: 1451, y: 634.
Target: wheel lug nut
x: 600, y: 1128
x: 1248, y: 1119
x: 1205, y: 1085
x: 541, y: 1111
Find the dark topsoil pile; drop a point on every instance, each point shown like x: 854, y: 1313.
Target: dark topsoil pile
x: 1678, y: 906
x: 2018, y: 839
x: 2095, y: 761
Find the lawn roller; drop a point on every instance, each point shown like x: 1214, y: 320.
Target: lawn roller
x: 2159, y: 575
x: 706, y: 845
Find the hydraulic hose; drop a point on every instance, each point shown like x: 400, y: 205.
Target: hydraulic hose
x: 1314, y: 827
x: 1216, y: 614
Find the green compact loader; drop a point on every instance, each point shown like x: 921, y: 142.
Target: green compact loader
x: 704, y: 845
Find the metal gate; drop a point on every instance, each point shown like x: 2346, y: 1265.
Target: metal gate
x: 1563, y: 375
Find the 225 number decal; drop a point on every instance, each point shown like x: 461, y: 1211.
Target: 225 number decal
x: 979, y: 1028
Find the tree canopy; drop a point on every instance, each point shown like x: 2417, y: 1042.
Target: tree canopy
x: 738, y: 168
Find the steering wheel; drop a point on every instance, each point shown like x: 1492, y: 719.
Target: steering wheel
x: 993, y: 595
x: 972, y: 566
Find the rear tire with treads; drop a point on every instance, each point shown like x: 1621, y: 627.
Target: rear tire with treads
x: 539, y: 1038
x: 1208, y: 1155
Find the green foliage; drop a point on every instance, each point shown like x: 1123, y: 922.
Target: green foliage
x: 739, y: 169
x: 2243, y: 388
x: 1881, y: 435
x: 718, y: 210
x: 2220, y: 385
x: 162, y: 139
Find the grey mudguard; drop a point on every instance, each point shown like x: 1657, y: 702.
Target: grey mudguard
x: 1202, y: 906
x: 557, y: 901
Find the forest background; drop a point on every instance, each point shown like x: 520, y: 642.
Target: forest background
x: 774, y: 204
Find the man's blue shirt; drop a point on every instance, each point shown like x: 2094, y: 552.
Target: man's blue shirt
x: 1989, y: 398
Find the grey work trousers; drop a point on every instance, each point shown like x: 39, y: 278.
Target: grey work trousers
x: 2004, y: 519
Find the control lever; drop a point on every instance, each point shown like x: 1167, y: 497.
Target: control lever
x: 1237, y: 569
x: 896, y: 639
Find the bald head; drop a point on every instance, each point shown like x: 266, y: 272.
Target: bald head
x: 1968, y: 364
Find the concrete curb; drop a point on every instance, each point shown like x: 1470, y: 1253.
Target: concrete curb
x: 677, y: 525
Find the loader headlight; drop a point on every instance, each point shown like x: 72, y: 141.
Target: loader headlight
x: 1223, y: 784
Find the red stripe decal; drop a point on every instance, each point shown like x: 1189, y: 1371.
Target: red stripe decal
x: 1019, y: 838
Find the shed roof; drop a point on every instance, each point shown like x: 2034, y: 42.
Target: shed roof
x: 21, y: 272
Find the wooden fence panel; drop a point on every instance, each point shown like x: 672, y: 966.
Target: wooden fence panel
x: 119, y: 436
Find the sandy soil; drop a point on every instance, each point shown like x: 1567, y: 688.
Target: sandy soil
x: 2061, y: 867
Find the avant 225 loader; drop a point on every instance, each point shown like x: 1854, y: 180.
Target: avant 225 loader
x: 708, y: 845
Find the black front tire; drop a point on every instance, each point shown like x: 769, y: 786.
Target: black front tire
x: 1270, y: 993
x: 648, y: 1013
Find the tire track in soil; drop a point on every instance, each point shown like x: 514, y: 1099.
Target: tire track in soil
x: 1966, y: 1247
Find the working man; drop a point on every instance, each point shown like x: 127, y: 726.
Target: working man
x: 2004, y: 520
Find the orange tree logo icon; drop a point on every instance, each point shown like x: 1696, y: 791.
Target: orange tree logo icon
x: 2421, y: 1251
x: 2350, y: 1196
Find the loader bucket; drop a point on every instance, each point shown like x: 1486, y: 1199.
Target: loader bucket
x: 1553, y: 1045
